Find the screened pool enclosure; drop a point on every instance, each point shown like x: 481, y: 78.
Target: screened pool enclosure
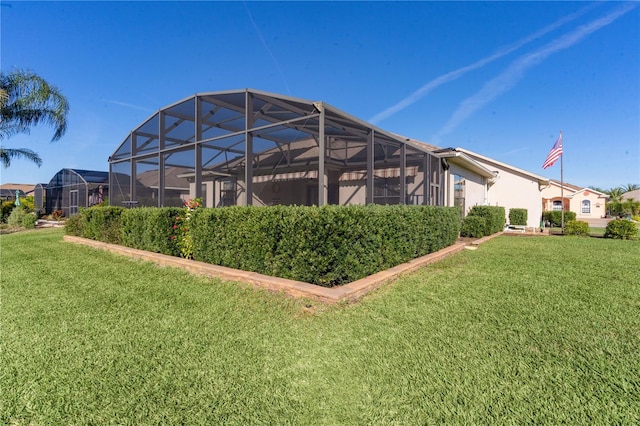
x: 248, y: 147
x: 71, y: 189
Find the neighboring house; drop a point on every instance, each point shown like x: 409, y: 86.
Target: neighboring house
x: 586, y: 203
x: 70, y: 189
x: 8, y: 190
x: 474, y: 179
x: 632, y: 195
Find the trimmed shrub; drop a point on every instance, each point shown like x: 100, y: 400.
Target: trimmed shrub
x: 555, y: 217
x: 97, y: 223
x: 518, y: 216
x: 327, y: 246
x: 494, y: 216
x: 621, y: 229
x: 29, y: 221
x: 15, y: 217
x: 7, y: 207
x: 473, y: 226
x: 576, y: 227
x: 151, y: 229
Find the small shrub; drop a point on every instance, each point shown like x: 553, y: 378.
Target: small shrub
x: 621, y: 229
x: 15, y: 217
x: 29, y: 221
x: 7, y: 206
x: 576, y: 227
x: 494, y: 216
x: 473, y: 226
x: 518, y: 216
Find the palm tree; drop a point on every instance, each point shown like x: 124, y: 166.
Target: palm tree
x: 27, y: 100
x: 630, y: 187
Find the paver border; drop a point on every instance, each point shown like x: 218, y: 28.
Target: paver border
x: 348, y: 292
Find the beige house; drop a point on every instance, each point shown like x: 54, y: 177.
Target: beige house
x: 586, y: 203
x: 474, y: 179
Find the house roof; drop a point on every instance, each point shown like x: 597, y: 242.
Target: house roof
x: 576, y: 189
x: 24, y: 188
x: 474, y: 155
x: 632, y: 195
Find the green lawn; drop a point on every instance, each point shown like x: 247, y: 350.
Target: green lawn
x: 521, y: 330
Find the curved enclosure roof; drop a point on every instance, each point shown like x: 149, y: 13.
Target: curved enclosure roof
x: 277, y: 118
x: 213, y: 136
x: 74, y: 176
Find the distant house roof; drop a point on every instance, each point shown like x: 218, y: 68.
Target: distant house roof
x: 632, y: 195
x: 23, y: 187
x: 9, y: 194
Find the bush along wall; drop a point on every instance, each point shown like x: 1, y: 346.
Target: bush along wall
x: 494, y: 216
x: 555, y: 217
x: 97, y: 223
x: 473, y: 226
x: 518, y: 216
x: 327, y: 246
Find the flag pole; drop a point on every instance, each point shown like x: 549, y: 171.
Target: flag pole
x: 562, y: 181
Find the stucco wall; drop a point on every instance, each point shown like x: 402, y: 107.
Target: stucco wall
x: 513, y: 189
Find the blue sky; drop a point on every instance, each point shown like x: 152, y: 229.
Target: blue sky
x: 497, y: 78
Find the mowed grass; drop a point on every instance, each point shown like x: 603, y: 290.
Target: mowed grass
x: 521, y: 330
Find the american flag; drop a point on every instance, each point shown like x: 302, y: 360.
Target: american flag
x: 554, y: 154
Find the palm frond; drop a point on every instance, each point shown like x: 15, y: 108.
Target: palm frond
x: 6, y: 155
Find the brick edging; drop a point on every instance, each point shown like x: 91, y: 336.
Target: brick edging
x: 348, y: 292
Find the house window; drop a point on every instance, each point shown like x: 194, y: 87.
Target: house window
x: 459, y: 193
x: 557, y: 205
x: 586, y: 207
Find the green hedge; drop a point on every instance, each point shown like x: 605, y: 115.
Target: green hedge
x: 621, y: 229
x: 327, y: 246
x: 576, y: 227
x: 555, y: 217
x: 97, y: 223
x: 518, y: 216
x: 494, y: 216
x: 473, y: 226
x: 151, y: 229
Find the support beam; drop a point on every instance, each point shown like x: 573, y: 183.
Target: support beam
x: 370, y: 166
x: 403, y: 174
x: 426, y: 177
x: 248, y: 159
x: 198, y: 147
x: 322, y: 172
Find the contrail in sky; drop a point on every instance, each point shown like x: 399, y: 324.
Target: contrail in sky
x: 264, y: 43
x: 453, y: 75
x: 515, y: 71
x: 128, y: 105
